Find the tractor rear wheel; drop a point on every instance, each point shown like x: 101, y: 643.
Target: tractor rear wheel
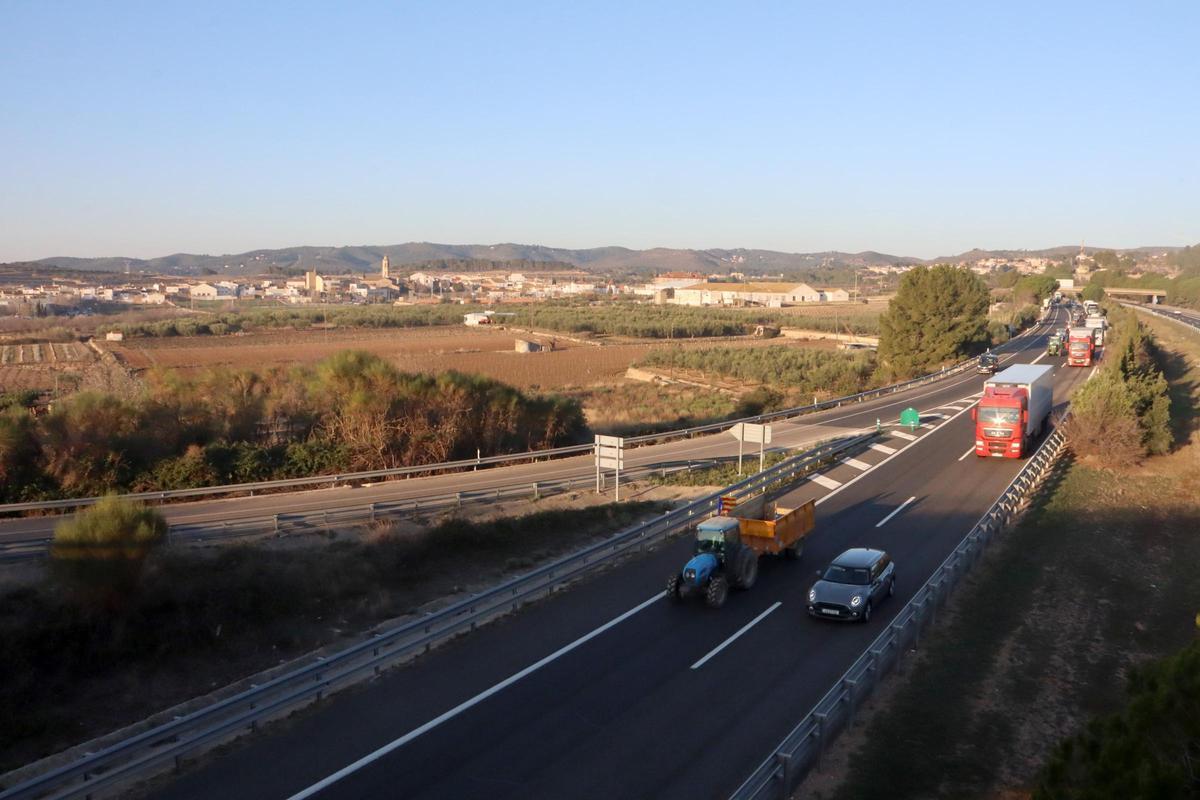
x: 749, y: 570
x: 718, y: 590
x: 673, y: 587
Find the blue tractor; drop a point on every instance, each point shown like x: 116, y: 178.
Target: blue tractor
x: 721, y: 560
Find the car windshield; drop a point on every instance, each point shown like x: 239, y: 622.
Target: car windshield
x: 987, y: 361
x: 853, y: 575
x: 1079, y: 347
x: 993, y: 415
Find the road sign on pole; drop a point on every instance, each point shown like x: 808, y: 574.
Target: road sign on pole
x: 750, y: 432
x: 910, y: 417
x: 610, y: 454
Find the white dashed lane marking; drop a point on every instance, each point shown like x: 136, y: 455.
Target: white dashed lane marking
x: 902, y: 435
x: 854, y: 462
x: 883, y: 448
x: 899, y: 508
x: 827, y: 482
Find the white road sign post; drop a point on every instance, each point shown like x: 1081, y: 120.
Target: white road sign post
x: 749, y: 432
x: 610, y: 454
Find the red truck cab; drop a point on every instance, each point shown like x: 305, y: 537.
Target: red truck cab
x: 1000, y: 422
x: 1013, y: 411
x: 1081, y: 347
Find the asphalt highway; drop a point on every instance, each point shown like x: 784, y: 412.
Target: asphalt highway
x: 792, y: 434
x: 611, y: 690
x: 1184, y: 315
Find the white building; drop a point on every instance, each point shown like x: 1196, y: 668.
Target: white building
x: 773, y: 295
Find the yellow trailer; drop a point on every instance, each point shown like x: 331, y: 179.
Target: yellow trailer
x: 770, y: 528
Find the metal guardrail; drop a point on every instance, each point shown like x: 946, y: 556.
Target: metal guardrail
x: 37, y: 546
x: 802, y: 749
x: 489, y: 461
x: 167, y: 744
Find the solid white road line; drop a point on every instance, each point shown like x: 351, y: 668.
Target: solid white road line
x: 899, y: 508
x: 854, y: 462
x: 1092, y: 374
x: 741, y: 630
x: 883, y: 448
x: 461, y: 707
x: 964, y: 455
x: 902, y: 435
x: 1039, y: 358
x: 943, y: 416
x: 822, y: 480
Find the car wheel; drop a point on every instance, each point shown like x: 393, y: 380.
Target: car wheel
x: 673, y: 587
x: 892, y: 587
x: 866, y: 617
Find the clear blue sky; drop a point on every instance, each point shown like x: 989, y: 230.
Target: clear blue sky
x: 143, y: 129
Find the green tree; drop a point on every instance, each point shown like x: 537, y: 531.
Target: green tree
x: 19, y: 455
x: 1149, y: 749
x: 1034, y: 289
x: 1093, y: 291
x: 938, y: 315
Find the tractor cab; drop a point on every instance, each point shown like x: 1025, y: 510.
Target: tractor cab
x: 718, y: 536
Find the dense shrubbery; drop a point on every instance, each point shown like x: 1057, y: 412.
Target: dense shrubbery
x: 775, y: 366
x: 350, y: 411
x: 100, y: 550
x: 1025, y: 316
x: 1149, y: 749
x: 1124, y: 413
x: 682, y: 322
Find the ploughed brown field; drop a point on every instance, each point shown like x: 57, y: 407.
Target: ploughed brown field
x: 488, y: 352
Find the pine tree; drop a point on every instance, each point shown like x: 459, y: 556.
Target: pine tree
x: 938, y: 315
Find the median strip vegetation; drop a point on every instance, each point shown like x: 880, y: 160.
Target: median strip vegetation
x: 352, y: 411
x: 81, y: 658
x: 1061, y: 623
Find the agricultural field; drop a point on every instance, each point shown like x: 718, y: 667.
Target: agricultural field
x: 595, y: 374
x: 489, y: 352
x: 42, y: 365
x: 44, y: 353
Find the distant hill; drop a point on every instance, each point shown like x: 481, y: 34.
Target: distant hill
x: 412, y: 255
x: 600, y: 260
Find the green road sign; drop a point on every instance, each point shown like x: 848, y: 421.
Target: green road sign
x: 910, y: 417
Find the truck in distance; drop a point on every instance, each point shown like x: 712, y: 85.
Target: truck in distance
x: 1081, y: 347
x: 1013, y: 410
x: 1099, y: 325
x: 728, y: 546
